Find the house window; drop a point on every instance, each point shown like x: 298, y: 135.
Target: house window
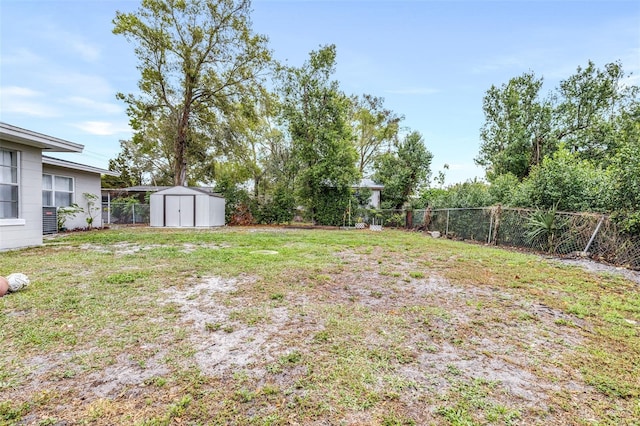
x: 8, y: 184
x: 57, y: 191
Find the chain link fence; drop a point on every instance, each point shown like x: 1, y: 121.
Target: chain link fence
x: 571, y: 234
x: 560, y: 234
x: 125, y: 213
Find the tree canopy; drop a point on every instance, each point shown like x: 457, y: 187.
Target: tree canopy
x: 199, y: 63
x: 587, y: 112
x: 203, y: 115
x: 403, y: 171
x: 316, y: 114
x: 375, y: 128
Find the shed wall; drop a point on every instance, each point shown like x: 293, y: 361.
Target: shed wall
x: 216, y: 211
x: 156, y: 210
x: 209, y: 210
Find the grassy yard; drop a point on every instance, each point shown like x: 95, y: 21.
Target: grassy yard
x: 267, y: 326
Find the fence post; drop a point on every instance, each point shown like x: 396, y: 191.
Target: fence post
x: 496, y: 214
x: 446, y: 231
x: 133, y: 215
x: 593, y: 237
x: 490, y: 227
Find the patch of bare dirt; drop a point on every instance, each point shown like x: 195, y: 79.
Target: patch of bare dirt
x: 126, y: 248
x: 452, y: 334
x: 597, y: 267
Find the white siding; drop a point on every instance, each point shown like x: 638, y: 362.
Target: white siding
x: 202, y: 210
x: 216, y: 206
x: 84, y: 182
x: 179, y: 208
x: 156, y: 210
x: 375, y: 199
x: 30, y: 201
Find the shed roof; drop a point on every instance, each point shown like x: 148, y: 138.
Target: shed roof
x: 185, y: 190
x: 368, y: 183
x: 155, y: 188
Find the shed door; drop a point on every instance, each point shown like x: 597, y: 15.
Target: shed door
x: 179, y: 210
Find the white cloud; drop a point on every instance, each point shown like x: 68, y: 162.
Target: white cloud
x: 22, y: 57
x: 87, y: 51
x: 86, y: 103
x: 73, y: 42
x: 102, y: 128
x: 529, y: 59
x: 413, y: 91
x: 25, y: 101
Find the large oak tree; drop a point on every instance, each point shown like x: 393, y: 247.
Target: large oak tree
x: 200, y: 63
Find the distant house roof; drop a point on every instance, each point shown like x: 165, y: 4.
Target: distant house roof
x: 22, y: 136
x: 368, y: 183
x: 76, y: 166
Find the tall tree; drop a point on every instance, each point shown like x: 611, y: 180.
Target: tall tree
x: 132, y: 173
x: 588, y: 104
x: 586, y: 113
x: 316, y: 113
x: 516, y: 132
x: 404, y: 171
x: 624, y: 166
x: 375, y: 127
x: 199, y: 60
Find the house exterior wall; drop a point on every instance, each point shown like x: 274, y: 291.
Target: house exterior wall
x: 84, y: 182
x: 27, y: 229
x: 374, y: 201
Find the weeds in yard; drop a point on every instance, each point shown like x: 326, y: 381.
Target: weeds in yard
x: 361, y: 332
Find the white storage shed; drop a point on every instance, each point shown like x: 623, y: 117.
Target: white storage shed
x: 186, y: 207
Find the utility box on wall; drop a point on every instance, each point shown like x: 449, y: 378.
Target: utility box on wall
x: 185, y: 207
x: 49, y: 220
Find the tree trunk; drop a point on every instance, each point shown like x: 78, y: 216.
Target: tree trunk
x: 182, y: 136
x: 180, y: 166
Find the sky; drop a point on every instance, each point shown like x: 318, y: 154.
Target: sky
x: 432, y: 61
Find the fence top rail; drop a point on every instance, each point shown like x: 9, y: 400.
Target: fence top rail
x: 456, y: 208
x: 517, y: 209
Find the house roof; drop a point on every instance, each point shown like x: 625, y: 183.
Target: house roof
x: 368, y: 183
x: 50, y: 161
x: 22, y: 136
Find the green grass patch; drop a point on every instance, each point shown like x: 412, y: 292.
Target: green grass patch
x: 337, y: 326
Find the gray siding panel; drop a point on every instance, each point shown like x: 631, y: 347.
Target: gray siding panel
x: 30, y: 201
